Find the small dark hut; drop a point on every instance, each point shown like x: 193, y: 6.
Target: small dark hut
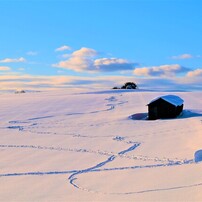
x: 168, y: 106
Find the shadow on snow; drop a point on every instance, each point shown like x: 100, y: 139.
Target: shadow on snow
x: 184, y: 115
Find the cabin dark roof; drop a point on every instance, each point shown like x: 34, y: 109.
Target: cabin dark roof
x: 172, y: 99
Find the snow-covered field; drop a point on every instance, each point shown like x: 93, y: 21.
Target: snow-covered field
x: 71, y: 146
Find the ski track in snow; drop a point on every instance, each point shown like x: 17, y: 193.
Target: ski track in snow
x: 110, y: 106
x: 99, y: 167
x: 31, y: 123
x: 96, y: 168
x: 55, y: 149
x: 72, y: 177
x: 72, y: 181
x: 28, y: 125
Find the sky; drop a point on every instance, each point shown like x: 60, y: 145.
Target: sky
x: 48, y: 44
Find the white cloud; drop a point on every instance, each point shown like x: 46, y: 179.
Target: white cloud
x: 112, y: 64
x: 85, y: 52
x: 195, y: 73
x: 162, y: 70
x: 84, y: 60
x: 10, y: 60
x: 80, y: 60
x: 63, y: 48
x: 32, y: 53
x: 182, y: 57
x: 5, y: 68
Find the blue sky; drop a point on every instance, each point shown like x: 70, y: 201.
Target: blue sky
x: 55, y: 44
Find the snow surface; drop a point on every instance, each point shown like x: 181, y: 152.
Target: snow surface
x: 89, y: 146
x: 173, y: 99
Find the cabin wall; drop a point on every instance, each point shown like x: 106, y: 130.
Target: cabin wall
x: 163, y: 109
x: 179, y: 109
x: 152, y: 112
x: 166, y: 110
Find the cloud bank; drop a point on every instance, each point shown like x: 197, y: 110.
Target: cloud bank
x: 23, y: 81
x: 85, y: 59
x: 162, y: 70
x: 191, y: 81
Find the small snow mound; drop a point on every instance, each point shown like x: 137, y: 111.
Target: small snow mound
x: 198, y: 156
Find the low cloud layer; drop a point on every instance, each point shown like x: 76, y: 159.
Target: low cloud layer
x: 24, y: 81
x: 11, y: 60
x: 85, y: 59
x: 162, y: 70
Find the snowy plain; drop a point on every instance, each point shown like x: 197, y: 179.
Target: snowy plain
x: 71, y: 145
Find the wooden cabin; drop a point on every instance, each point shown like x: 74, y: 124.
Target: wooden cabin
x: 167, y: 106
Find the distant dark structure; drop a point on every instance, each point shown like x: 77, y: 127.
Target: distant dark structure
x: 127, y: 85
x: 168, y: 106
x: 19, y: 91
